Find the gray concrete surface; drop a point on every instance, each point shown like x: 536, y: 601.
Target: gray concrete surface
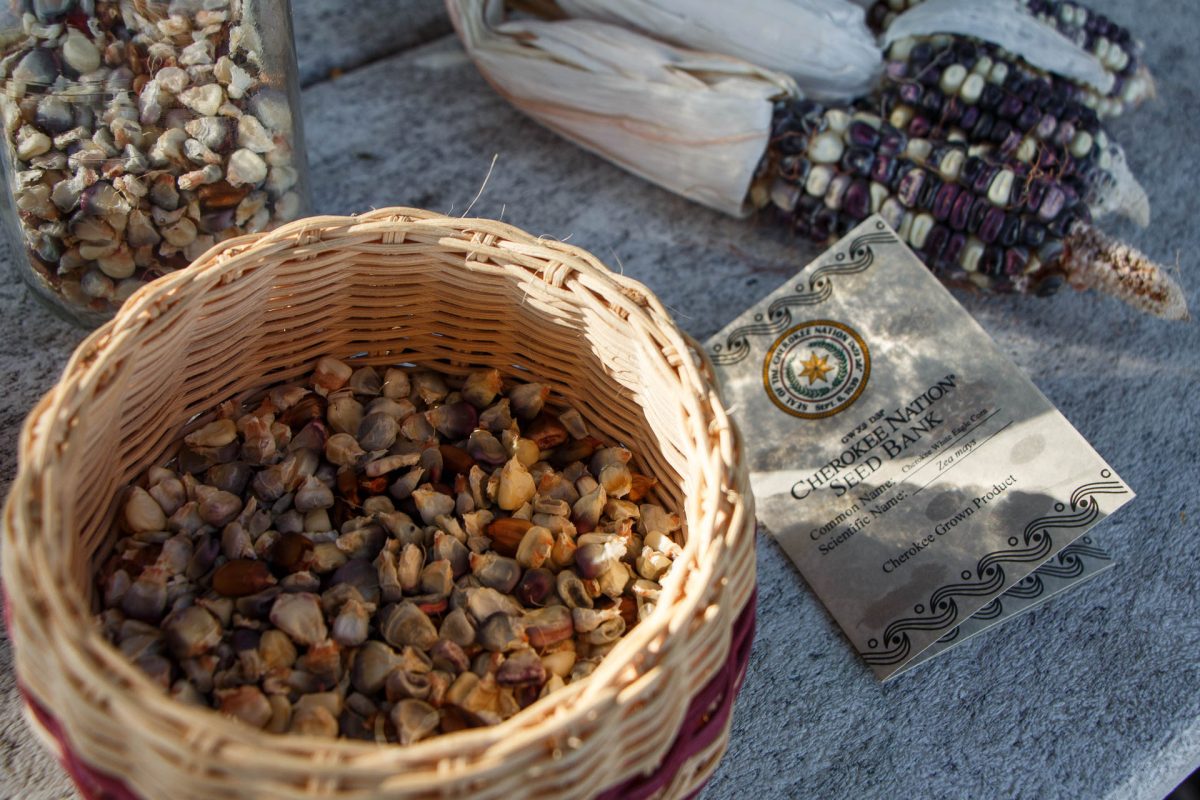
x: 1096, y: 694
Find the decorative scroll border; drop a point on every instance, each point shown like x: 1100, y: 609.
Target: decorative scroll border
x: 1069, y: 565
x: 988, y: 578
x: 778, y: 317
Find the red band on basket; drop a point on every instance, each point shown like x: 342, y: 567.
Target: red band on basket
x: 705, y: 718
x: 702, y: 724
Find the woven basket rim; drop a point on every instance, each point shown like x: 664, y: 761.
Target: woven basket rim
x: 46, y: 431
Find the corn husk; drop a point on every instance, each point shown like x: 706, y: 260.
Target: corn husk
x: 694, y: 123
x: 1006, y: 24
x: 824, y: 45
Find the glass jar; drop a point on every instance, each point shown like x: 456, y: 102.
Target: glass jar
x: 139, y: 133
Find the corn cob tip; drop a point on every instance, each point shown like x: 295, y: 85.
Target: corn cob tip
x: 1094, y: 260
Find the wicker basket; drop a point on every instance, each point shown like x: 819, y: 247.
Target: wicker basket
x: 397, y: 285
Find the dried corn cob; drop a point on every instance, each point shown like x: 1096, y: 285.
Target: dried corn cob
x: 1111, y: 44
x: 957, y: 89
x: 977, y: 219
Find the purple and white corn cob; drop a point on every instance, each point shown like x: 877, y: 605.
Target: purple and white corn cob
x: 965, y: 91
x: 976, y: 216
x: 1112, y: 45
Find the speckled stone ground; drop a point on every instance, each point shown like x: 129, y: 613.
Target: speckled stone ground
x: 1097, y: 694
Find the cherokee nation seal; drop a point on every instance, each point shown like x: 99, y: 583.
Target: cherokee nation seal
x: 816, y: 369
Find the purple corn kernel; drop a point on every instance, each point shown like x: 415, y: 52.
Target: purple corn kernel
x: 896, y: 70
x: 1064, y: 134
x: 954, y: 247
x: 911, y: 93
x: 1029, y: 92
x: 858, y: 160
x: 1047, y: 125
x: 929, y: 191
x: 992, y: 262
x: 969, y: 118
x: 919, y: 127
x: 891, y: 140
x: 971, y: 169
x: 823, y: 222
x: 1011, y: 143
x: 929, y: 77
x: 933, y: 101
x: 863, y: 135
x: 1029, y: 118
x: 990, y: 97
x: 1010, y: 232
x: 1059, y: 226
x: 1035, y: 195
x: 1015, y: 260
x: 909, y: 190
x: 983, y: 127
x: 935, y: 242
x: 1009, y: 107
x: 984, y: 179
x: 1001, y: 130
x: 903, y: 167
x: 857, y: 202
x: 1052, y: 204
x: 992, y: 223
x: 953, y: 110
x: 944, y: 202
x: 961, y: 212
x: 1033, y: 234
x: 979, y: 210
x: 883, y: 170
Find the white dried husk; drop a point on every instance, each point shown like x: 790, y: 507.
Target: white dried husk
x: 1006, y: 24
x: 823, y: 44
x: 694, y: 123
x: 1121, y: 193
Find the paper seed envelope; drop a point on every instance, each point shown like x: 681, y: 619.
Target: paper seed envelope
x: 914, y: 475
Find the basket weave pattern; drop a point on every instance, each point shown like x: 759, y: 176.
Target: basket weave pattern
x: 394, y: 286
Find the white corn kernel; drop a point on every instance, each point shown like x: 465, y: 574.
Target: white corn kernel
x: 892, y: 213
x: 818, y: 181
x: 918, y: 150
x: 837, y: 120
x: 951, y: 164
x: 972, y: 252
x: 972, y: 87
x: 900, y: 117
x: 826, y: 148
x: 1081, y: 145
x: 879, y: 193
x: 953, y: 78
x: 1001, y: 188
x: 1027, y: 150
x: 922, y: 225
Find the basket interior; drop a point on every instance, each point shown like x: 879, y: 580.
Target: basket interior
x: 397, y: 286
x: 430, y: 304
